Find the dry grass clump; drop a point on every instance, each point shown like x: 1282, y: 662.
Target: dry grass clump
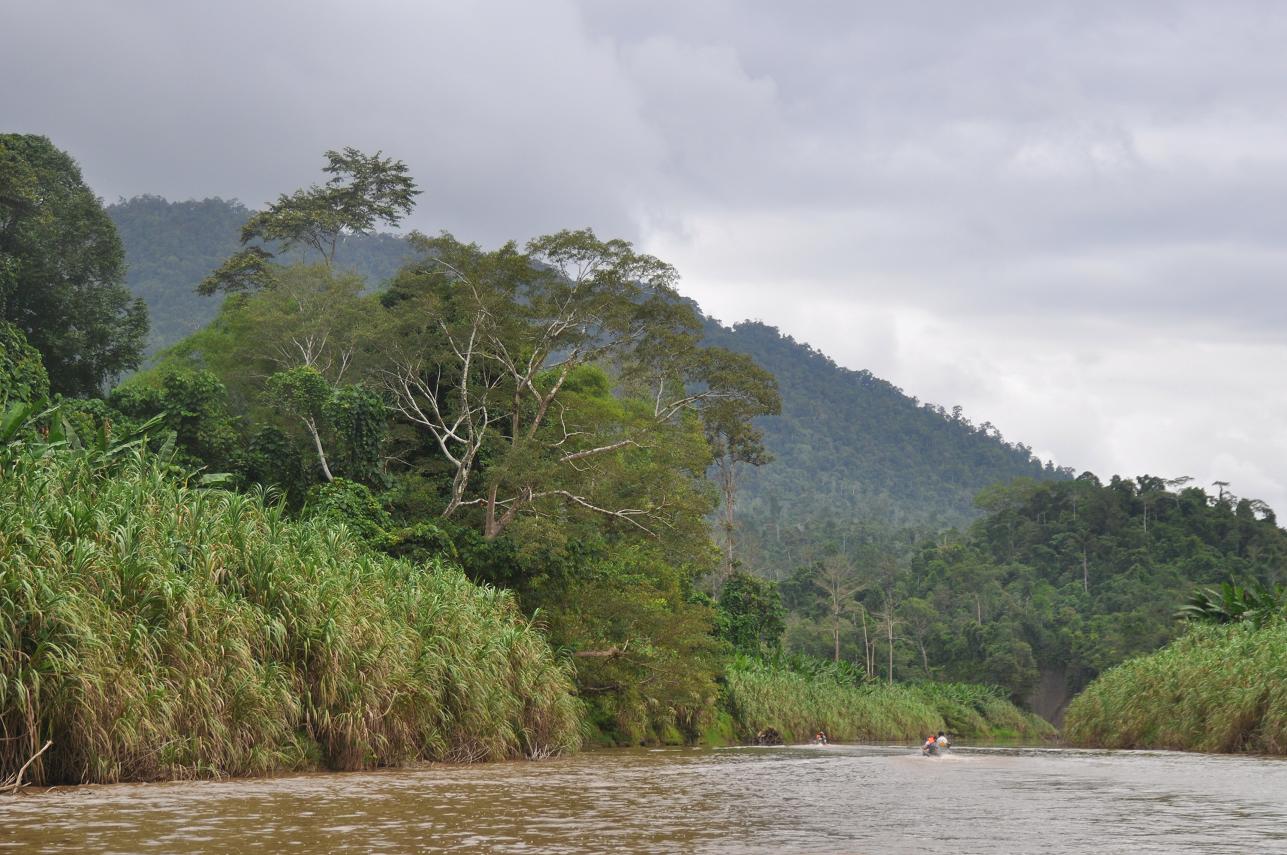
x: 1217, y: 688
x: 154, y: 629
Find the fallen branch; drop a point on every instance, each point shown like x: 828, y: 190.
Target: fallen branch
x: 17, y: 781
x: 607, y: 653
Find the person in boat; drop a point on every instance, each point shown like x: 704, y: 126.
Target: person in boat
x: 942, y: 741
x: 930, y: 748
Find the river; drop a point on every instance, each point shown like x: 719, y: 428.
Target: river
x: 836, y: 799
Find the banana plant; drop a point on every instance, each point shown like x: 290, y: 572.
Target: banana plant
x: 1231, y: 603
x: 58, y: 431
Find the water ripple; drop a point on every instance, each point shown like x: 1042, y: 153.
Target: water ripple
x: 852, y: 799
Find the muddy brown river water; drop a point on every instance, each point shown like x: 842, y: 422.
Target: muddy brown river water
x: 837, y: 799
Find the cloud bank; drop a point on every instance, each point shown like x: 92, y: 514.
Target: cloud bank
x: 1066, y: 217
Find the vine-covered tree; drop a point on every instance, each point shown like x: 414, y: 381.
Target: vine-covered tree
x: 750, y: 615
x: 735, y: 439
x: 22, y: 375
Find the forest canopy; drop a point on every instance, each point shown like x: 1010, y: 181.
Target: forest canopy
x: 62, y: 269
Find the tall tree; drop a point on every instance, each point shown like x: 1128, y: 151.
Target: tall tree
x: 62, y: 269
x: 304, y: 393
x: 734, y: 438
x: 363, y: 191
x: 838, y: 582
x: 349, y: 420
x: 921, y: 619
x: 511, y: 351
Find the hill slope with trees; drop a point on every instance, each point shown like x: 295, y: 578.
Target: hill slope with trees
x: 170, y: 247
x: 853, y: 454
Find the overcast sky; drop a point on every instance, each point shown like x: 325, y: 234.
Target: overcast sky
x: 1066, y: 217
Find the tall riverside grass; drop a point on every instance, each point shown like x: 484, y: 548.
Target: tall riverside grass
x: 1217, y: 688
x: 153, y: 629
x: 982, y: 712
x: 760, y: 695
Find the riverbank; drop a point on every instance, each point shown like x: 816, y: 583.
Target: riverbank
x: 1216, y: 689
x: 761, y: 696
x: 152, y: 629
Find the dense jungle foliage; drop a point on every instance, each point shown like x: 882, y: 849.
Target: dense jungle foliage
x: 850, y: 448
x: 1059, y: 581
x: 556, y: 420
x: 544, y: 415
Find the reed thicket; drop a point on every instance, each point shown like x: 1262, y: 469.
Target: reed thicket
x: 1217, y: 688
x: 155, y: 629
x: 762, y: 695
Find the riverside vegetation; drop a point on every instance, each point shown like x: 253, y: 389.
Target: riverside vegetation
x: 464, y: 511
x: 796, y: 702
x: 1222, y: 686
x: 154, y: 628
x: 263, y: 574
x: 157, y: 628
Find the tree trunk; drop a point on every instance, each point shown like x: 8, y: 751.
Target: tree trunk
x: 321, y: 455
x: 490, y: 529
x: 728, y: 482
x: 866, y: 644
x: 890, y: 627
x: 835, y: 632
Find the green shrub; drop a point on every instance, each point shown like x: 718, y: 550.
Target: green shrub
x: 352, y: 504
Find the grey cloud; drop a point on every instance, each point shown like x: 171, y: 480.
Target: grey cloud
x: 1066, y: 216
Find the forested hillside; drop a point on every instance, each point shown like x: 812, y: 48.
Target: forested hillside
x: 171, y: 246
x: 852, y: 453
x: 1056, y: 583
